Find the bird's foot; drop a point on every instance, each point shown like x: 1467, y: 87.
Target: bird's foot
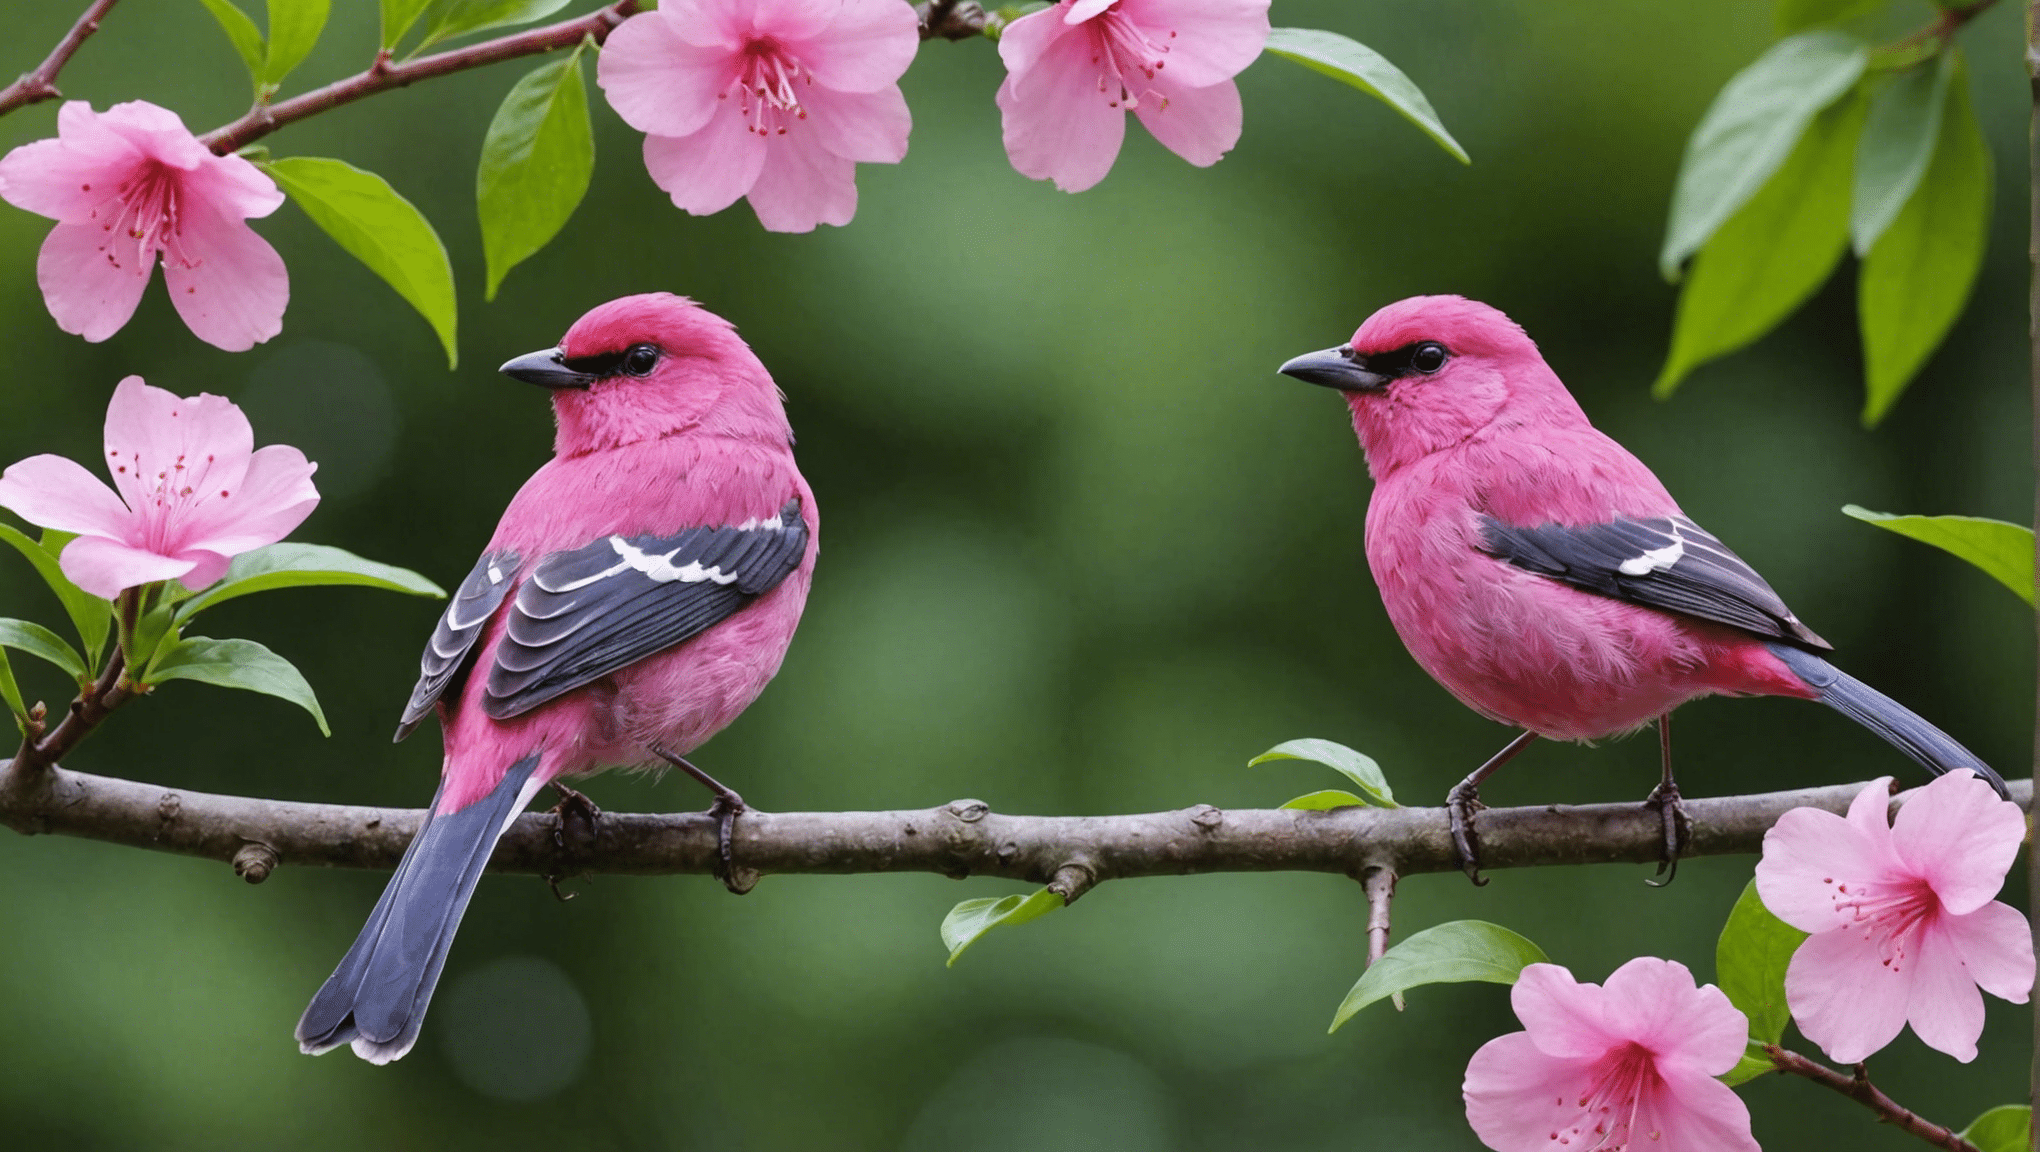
x: 1460, y: 805
x: 726, y: 808
x: 576, y: 830
x: 1678, y: 829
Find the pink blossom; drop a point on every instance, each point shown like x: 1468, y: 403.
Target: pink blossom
x: 776, y: 100
x: 1628, y: 1066
x: 1904, y: 927
x: 1073, y: 72
x: 128, y: 184
x: 192, y: 493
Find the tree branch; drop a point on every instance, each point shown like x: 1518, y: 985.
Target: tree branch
x: 1859, y: 1089
x: 41, y: 84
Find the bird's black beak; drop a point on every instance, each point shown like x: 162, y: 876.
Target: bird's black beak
x: 548, y: 368
x: 1340, y: 368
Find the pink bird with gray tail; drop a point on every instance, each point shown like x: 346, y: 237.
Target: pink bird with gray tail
x: 638, y: 594
x: 1543, y: 575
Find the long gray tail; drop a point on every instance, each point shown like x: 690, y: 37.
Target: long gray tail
x: 376, y: 998
x: 1900, y: 726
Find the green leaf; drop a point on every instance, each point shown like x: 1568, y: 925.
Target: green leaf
x: 1916, y: 280
x: 1450, y: 953
x: 1772, y: 254
x: 536, y: 161
x: 305, y: 565
x: 973, y: 918
x: 397, y: 18
x: 1327, y: 799
x: 240, y: 664
x: 1749, y: 131
x: 1749, y: 964
x: 1754, y: 1063
x: 246, y: 38
x: 294, y: 27
x: 2005, y: 1128
x: 36, y: 640
x: 90, y: 615
x: 450, y: 18
x: 1352, y: 62
x: 11, y: 692
x: 365, y: 216
x: 1898, y: 141
x: 1798, y: 15
x: 2001, y: 548
x: 1357, y: 767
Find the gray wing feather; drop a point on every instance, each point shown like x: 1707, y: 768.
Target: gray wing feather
x: 446, y: 654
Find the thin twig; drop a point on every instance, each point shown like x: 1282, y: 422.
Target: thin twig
x: 40, y: 753
x: 41, y: 84
x: 1857, y: 1087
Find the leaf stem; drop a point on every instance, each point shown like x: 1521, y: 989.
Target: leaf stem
x: 41, y: 84
x: 1857, y: 1087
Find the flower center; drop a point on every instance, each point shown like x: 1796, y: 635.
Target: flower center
x: 1890, y: 913
x: 1625, y: 1082
x: 1126, y: 59
x: 766, y: 87
x: 150, y: 215
x: 171, y: 491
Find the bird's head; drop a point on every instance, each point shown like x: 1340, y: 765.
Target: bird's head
x: 1425, y: 373
x: 643, y: 367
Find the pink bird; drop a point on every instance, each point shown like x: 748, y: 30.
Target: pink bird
x: 638, y: 594
x: 1540, y: 572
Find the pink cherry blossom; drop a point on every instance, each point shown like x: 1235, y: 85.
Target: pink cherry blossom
x: 1628, y: 1066
x: 1073, y: 72
x: 192, y: 493
x: 1904, y: 927
x: 776, y: 100
x: 129, y: 184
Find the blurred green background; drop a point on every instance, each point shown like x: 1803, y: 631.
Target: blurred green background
x: 1083, y: 552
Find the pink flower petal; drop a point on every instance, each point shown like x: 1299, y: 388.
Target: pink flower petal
x: 706, y: 23
x: 1517, y: 1094
x: 710, y: 170
x: 803, y: 184
x: 1214, y: 39
x: 1870, y: 814
x: 1996, y: 945
x: 1844, y: 997
x: 867, y: 126
x: 658, y: 82
x: 1945, y: 1009
x: 105, y: 567
x: 1959, y: 836
x: 92, y: 278
x: 272, y: 499
x: 158, y: 132
x: 206, y: 568
x: 53, y: 492
x: 1058, y: 126
x: 1083, y: 10
x: 159, y: 443
x: 1564, y: 1017
x: 227, y: 283
x: 1199, y: 124
x: 235, y: 188
x: 1806, y: 854
x: 55, y: 178
x: 865, y: 48
x: 1697, y: 1113
x: 1025, y: 39
x: 1656, y: 1004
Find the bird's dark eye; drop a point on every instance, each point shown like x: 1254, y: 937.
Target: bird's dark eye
x: 1429, y: 357
x: 640, y: 360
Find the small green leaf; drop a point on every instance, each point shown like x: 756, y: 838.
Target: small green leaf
x: 1450, y: 953
x: 1799, y: 15
x: 2005, y: 1128
x: 365, y: 216
x: 305, y: 565
x: 246, y: 38
x: 973, y: 918
x: 1999, y: 547
x: 1754, y: 1063
x: 11, y: 692
x: 36, y: 640
x: 1772, y: 254
x: 1750, y: 129
x: 240, y: 664
x: 1354, y: 63
x: 450, y: 18
x: 1327, y: 799
x: 1355, y: 766
x: 536, y: 161
x: 1898, y: 141
x: 1749, y: 964
x: 90, y: 615
x: 397, y: 18
x: 294, y: 27
x: 1916, y: 280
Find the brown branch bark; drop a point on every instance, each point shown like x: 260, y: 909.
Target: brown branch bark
x: 41, y: 84
x: 1859, y: 1089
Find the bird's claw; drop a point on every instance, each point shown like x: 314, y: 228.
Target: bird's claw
x: 1678, y: 830
x: 576, y: 829
x: 1460, y: 805
x: 726, y: 808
